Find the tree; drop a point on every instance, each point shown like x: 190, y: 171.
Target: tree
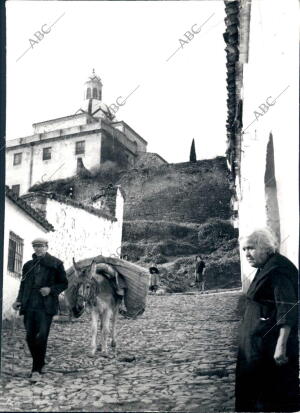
x: 193, y: 157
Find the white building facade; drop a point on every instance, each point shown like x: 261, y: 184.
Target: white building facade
x: 263, y: 120
x: 52, y: 152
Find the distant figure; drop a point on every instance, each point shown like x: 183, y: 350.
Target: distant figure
x: 199, y: 273
x: 268, y: 359
x: 154, y: 279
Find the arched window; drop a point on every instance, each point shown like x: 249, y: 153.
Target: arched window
x: 95, y: 94
x: 88, y: 93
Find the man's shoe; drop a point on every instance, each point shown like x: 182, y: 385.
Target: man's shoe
x: 43, y: 370
x: 34, y: 377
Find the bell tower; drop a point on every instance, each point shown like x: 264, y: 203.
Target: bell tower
x: 93, y: 87
x: 92, y: 102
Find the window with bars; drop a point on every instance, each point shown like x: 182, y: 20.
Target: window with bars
x: 80, y: 147
x: 88, y: 93
x: 15, y: 254
x: 17, y: 158
x: 46, y: 153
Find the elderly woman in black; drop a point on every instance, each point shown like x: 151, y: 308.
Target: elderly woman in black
x: 268, y: 361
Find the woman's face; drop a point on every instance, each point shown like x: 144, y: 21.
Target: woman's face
x: 255, y: 255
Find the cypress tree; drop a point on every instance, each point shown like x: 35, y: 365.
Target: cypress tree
x: 193, y: 157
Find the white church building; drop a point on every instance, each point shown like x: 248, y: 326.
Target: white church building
x: 56, y: 146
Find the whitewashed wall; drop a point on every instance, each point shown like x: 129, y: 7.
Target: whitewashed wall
x: 80, y: 234
x: 272, y: 67
x: 119, y: 224
x: 25, y: 227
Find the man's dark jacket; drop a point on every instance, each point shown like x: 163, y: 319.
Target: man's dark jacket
x: 51, y: 274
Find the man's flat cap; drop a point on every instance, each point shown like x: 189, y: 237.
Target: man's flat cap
x: 40, y: 240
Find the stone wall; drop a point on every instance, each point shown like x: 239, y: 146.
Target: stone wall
x: 184, y: 192
x: 148, y: 160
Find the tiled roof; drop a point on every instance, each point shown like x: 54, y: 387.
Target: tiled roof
x: 28, y: 209
x: 231, y: 37
x: 76, y: 204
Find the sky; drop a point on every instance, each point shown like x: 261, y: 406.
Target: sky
x: 179, y: 81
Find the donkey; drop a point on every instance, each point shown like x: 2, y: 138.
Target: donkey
x: 90, y: 288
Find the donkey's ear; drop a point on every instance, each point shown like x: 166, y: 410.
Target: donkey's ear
x: 75, y: 267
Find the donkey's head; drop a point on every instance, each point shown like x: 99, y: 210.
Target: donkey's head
x: 85, y: 287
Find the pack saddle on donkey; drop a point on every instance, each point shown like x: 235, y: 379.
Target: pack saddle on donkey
x: 95, y: 283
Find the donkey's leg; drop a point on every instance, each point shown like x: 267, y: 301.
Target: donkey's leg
x: 105, y: 319
x: 113, y: 327
x: 99, y: 341
x: 95, y: 317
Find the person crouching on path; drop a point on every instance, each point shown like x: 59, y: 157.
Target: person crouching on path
x: 43, y: 279
x: 154, y: 279
x: 199, y: 273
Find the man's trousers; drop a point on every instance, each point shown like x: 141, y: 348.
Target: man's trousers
x: 37, y: 324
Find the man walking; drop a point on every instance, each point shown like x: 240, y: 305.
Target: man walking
x: 199, y: 273
x: 43, y: 279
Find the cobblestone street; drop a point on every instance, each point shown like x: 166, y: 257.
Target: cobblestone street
x: 179, y: 356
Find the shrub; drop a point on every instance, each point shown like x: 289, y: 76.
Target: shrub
x: 107, y: 172
x: 160, y: 259
x: 224, y: 273
x: 133, y: 250
x: 152, y: 230
x: 213, y: 234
